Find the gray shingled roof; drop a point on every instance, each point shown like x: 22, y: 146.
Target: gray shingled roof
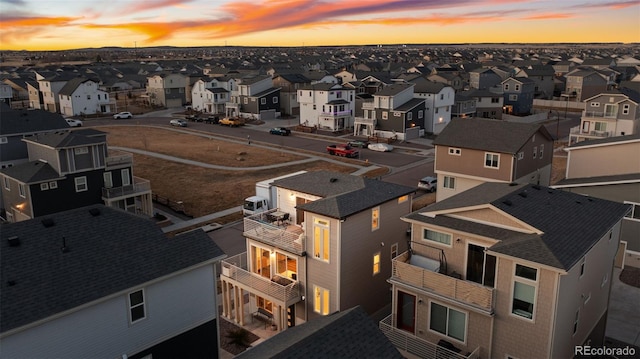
x: 411, y: 104
x: 392, y: 90
x: 570, y: 223
x: 488, y: 135
x: 73, y: 84
x: 348, y: 334
x: 107, y: 254
x: 585, y: 181
x: 342, y: 194
x: 15, y: 122
x: 32, y: 172
x: 65, y: 139
x: 605, y: 140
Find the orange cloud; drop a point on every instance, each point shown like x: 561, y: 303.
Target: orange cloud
x: 550, y: 16
x: 152, y: 5
x: 36, y: 21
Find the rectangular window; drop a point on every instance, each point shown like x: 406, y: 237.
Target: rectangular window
x: 541, y: 151
x: 600, y: 126
x: 517, y: 87
x: 449, y: 182
x: 394, y: 250
x: 21, y: 190
x: 434, y: 236
x: 320, y: 300
x: 385, y: 115
x: 263, y: 101
x: 633, y: 215
x: 409, y: 116
x: 506, y: 87
x: 5, y: 181
x: 245, y: 100
x: 81, y: 184
x: 524, y: 291
x: 108, y: 181
x: 535, y: 151
x: 420, y: 114
x: 403, y: 199
x: 455, y: 151
x: 513, y: 97
x: 448, y: 321
x: 375, y: 218
x: 595, y: 104
x: 376, y: 263
x: 126, y: 179
x: 3, y: 140
x: 491, y: 160
x: 275, y: 99
x: 495, y: 100
x: 520, y: 155
x: 44, y: 186
x: 321, y: 239
x: 81, y: 150
x: 625, y: 109
x: 136, y: 306
x: 53, y: 184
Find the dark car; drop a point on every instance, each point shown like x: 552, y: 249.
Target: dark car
x: 358, y: 143
x: 280, y: 131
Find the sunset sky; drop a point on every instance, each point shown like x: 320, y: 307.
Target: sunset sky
x: 68, y: 24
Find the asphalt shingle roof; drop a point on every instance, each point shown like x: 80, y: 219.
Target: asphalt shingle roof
x: 31, y: 172
x: 64, y: 139
x: 342, y: 194
x: 108, y: 253
x: 16, y: 122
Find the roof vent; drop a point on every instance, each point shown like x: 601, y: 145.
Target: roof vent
x: 523, y: 194
x: 507, y: 202
x: 11, y: 282
x: 94, y: 212
x: 332, y: 179
x: 536, y: 187
x: 14, y: 241
x: 578, y: 202
x: 64, y: 248
x: 48, y: 222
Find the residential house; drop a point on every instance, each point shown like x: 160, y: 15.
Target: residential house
x: 582, y: 84
x: 393, y: 113
x: 469, y: 152
x: 71, y: 169
x: 98, y: 282
x: 488, y: 104
x: 452, y: 79
x: 255, y: 97
x: 483, y: 78
x: 167, y: 89
x: 347, y: 334
x: 439, y: 99
x: 599, y: 64
x: 464, y: 106
x: 289, y: 85
x: 518, y: 93
x: 50, y: 87
x: 6, y: 93
x: 211, y: 95
x: 36, y: 97
x: 327, y: 106
x: 19, y: 92
x: 81, y: 96
x: 542, y: 76
x: 562, y: 67
x: 610, y: 113
x: 326, y: 248
x: 618, y: 181
x: 505, y: 271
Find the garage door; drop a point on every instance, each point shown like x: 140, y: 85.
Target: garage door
x: 268, y: 115
x: 411, y: 133
x: 174, y: 102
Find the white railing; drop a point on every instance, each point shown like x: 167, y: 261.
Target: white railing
x: 121, y: 158
x: 336, y: 113
x: 284, y: 236
x: 598, y: 114
x: 140, y: 185
x: 368, y: 106
x: 366, y: 121
x: 235, y: 268
x: 408, y: 342
x: 578, y: 131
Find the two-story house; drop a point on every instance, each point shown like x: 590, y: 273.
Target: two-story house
x: 81, y: 96
x: 167, y: 89
x: 463, y: 106
x: 518, y: 93
x: 581, y: 84
x: 98, y: 282
x: 469, y: 152
x: 394, y: 112
x: 36, y: 97
x: 505, y: 271
x: 611, y: 113
x: 542, y: 76
x: 50, y: 85
x: 327, y: 106
x: 255, y: 97
x: 618, y: 180
x: 488, y: 104
x: 71, y: 169
x: 483, y: 78
x: 439, y: 99
x: 211, y: 95
x: 289, y: 85
x: 326, y: 248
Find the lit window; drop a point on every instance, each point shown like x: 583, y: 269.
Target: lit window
x: 321, y: 239
x: 491, y: 160
x: 136, y: 306
x: 403, y: 199
x: 321, y: 300
x: 448, y: 321
x: 376, y: 263
x: 375, y: 218
x: 81, y: 184
x: 524, y: 291
x: 434, y: 236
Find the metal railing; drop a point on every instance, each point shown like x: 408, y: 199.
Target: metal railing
x: 284, y: 236
x: 119, y: 158
x: 235, y: 268
x: 599, y: 114
x: 577, y: 130
x: 140, y: 185
x: 335, y: 113
x: 464, y: 291
x: 408, y: 342
x: 367, y: 121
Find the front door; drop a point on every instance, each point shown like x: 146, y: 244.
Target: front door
x: 406, y: 312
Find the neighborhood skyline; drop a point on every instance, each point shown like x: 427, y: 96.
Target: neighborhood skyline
x: 46, y: 25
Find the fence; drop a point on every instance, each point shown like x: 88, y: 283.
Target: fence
x: 177, y: 206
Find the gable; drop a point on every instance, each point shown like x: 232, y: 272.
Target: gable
x: 494, y: 217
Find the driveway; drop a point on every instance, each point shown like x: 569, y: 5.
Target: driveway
x: 623, y: 318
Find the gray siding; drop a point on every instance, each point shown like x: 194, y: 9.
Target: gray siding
x: 103, y: 330
x: 321, y: 273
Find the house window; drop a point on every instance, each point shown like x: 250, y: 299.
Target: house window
x: 517, y: 87
x: 582, y: 268
x: 126, y: 179
x: 245, y: 100
x: 21, y: 190
x: 491, y: 160
x: 81, y: 150
x: 541, y: 150
x: 595, y: 104
x: 394, y: 250
x: 495, y: 100
x: 375, y: 218
x: 625, y: 109
x: 438, y: 237
x: 321, y: 239
x: 403, y: 199
x: 108, y: 181
x: 44, y: 186
x: 275, y: 99
x: 520, y: 155
x: 385, y: 115
x: 314, y: 106
x: 535, y: 152
x: 3, y: 140
x: 420, y: 114
x: 448, y: 321
x: 136, y: 306
x: 524, y: 291
x: 376, y: 263
x: 53, y: 184
x: 513, y: 97
x: 5, y: 181
x: 600, y: 126
x: 409, y: 116
x: 576, y: 321
x: 81, y: 184
x: 320, y: 300
x: 442, y: 96
x: 610, y: 110
x: 455, y: 151
x: 633, y: 215
x: 263, y: 101
x: 506, y: 87
x: 449, y: 182
x: 396, y: 114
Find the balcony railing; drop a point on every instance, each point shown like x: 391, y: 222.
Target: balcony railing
x: 336, y: 113
x: 597, y: 114
x: 408, y: 342
x: 235, y: 268
x: 365, y: 121
x: 368, y: 106
x: 577, y: 130
x: 119, y: 158
x: 264, y: 228
x: 464, y: 291
x: 139, y: 186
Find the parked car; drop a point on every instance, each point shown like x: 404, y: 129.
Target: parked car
x: 428, y: 183
x: 120, y: 115
x: 73, y: 122
x: 358, y: 143
x: 178, y: 122
x: 280, y: 131
x: 343, y: 150
x: 380, y: 147
x: 231, y: 121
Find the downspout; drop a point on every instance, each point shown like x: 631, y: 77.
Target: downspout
x: 553, y: 314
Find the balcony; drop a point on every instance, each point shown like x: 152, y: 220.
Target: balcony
x: 596, y: 114
x: 408, y: 342
x: 274, y: 230
x: 592, y: 134
x: 119, y: 159
x: 336, y: 113
x: 139, y: 186
x: 280, y: 289
x: 430, y: 280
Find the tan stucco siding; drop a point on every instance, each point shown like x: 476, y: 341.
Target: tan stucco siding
x: 472, y: 163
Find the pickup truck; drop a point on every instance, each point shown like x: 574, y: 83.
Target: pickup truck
x: 342, y: 150
x: 231, y: 121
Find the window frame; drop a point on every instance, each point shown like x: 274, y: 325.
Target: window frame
x: 53, y: 184
x: 6, y: 183
x: 321, y: 300
x: 377, y: 263
x: 44, y: 186
x: 125, y: 175
x: 497, y: 166
x: 263, y: 101
x: 322, y: 245
x: 449, y: 182
x: 132, y: 306
x: 527, y: 282
x: 430, y: 240
x: 454, y: 151
x: 447, y: 321
x: 79, y: 186
x: 22, y: 190
x: 375, y: 218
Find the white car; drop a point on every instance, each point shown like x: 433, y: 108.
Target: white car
x: 428, y: 183
x: 380, y: 147
x: 122, y: 115
x: 177, y: 122
x: 73, y: 122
